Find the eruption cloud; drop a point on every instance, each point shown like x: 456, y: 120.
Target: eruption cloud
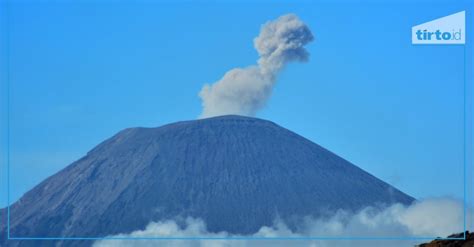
x: 244, y: 91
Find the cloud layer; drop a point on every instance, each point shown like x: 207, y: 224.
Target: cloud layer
x: 427, y: 218
x: 243, y: 91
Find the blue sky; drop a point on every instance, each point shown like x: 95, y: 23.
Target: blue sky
x: 79, y: 73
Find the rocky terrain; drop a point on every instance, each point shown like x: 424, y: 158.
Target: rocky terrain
x: 236, y: 173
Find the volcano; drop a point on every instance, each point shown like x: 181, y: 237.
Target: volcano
x: 236, y: 173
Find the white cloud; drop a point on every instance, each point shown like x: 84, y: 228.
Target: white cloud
x: 426, y: 218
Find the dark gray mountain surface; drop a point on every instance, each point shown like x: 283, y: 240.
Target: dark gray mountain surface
x: 236, y: 173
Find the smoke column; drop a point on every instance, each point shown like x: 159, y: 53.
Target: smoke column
x: 244, y: 91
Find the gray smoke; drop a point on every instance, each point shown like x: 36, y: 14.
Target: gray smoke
x: 243, y: 91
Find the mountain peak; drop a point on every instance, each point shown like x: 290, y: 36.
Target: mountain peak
x: 236, y: 173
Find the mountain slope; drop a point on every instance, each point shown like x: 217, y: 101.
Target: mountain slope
x: 236, y: 173
x: 467, y: 242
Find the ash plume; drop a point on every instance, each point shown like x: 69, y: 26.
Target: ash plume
x: 244, y: 91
